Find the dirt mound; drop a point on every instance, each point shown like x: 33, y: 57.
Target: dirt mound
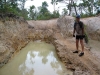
x: 43, y: 24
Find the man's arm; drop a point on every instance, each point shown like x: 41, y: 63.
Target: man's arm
x: 82, y: 31
x: 82, y: 28
x: 74, y: 31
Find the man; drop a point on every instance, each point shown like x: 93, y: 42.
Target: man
x: 79, y: 30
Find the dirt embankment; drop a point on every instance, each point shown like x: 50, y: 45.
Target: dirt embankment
x: 15, y: 34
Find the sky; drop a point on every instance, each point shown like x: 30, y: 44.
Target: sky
x: 38, y: 3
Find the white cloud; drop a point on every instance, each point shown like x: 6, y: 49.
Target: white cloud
x: 38, y: 3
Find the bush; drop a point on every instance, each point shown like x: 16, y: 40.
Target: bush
x: 86, y: 35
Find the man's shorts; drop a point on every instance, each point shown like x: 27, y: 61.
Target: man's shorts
x: 79, y: 37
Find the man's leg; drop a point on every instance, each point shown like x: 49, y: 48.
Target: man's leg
x: 82, y: 45
x: 77, y: 44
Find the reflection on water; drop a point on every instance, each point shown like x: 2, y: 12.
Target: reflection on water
x: 37, y: 58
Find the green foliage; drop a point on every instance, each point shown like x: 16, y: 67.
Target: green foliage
x: 86, y: 15
x: 17, y: 7
x: 24, y: 13
x: 86, y: 38
x: 86, y: 8
x: 6, y: 6
x: 86, y: 35
x: 45, y: 16
x: 55, y: 14
x: 32, y: 12
x: 44, y: 4
x: 65, y: 11
x: 44, y: 13
x: 98, y: 11
x: 12, y: 6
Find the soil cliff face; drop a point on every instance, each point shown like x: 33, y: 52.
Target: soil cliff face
x: 66, y: 24
x: 12, y: 37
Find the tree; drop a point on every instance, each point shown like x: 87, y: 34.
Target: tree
x: 64, y: 12
x: 54, y: 3
x: 74, y: 5
x: 44, y: 8
x: 14, y: 6
x: 70, y: 5
x: 24, y: 13
x: 97, y: 6
x: 22, y: 3
x: 87, y: 6
x: 32, y: 13
x: 55, y: 14
x: 43, y: 11
x: 8, y: 6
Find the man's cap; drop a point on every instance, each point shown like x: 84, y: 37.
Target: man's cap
x: 78, y: 16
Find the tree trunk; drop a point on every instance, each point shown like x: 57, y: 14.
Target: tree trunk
x: 70, y: 7
x: 5, y: 2
x: 74, y: 7
x: 54, y: 6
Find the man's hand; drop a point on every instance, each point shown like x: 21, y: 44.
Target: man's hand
x: 83, y: 36
x: 73, y: 35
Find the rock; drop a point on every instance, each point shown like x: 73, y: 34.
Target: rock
x: 30, y: 27
x: 66, y: 24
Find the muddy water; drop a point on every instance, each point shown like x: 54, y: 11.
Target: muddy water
x: 37, y: 58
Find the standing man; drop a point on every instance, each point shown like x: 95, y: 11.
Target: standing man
x: 79, y: 30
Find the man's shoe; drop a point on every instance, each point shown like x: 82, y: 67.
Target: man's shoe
x: 81, y: 54
x: 75, y: 52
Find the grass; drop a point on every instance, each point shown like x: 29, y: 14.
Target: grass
x: 86, y: 35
